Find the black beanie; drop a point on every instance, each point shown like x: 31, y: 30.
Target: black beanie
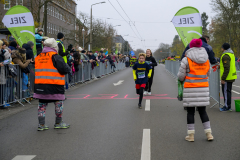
x: 226, y: 46
x: 83, y: 51
x: 60, y: 35
x: 13, y: 44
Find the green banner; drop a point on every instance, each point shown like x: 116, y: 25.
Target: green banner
x: 20, y: 23
x: 188, y: 24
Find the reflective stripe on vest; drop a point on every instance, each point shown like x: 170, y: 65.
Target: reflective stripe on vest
x: 64, y: 57
x: 45, y: 72
x: 197, y: 77
x: 232, y: 72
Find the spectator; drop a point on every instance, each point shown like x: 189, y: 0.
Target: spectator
x: 93, y: 63
x: 50, y: 89
x: 196, y: 87
x: 208, y: 48
x: 39, y: 40
x: 29, y: 50
x: 19, y: 57
x: 228, y: 75
x: 8, y: 52
x: 13, y: 45
x: 61, y: 51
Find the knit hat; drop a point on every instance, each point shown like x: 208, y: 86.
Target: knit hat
x: 30, y: 43
x: 60, y: 35
x: 13, y: 44
x: 196, y: 43
x: 52, y: 43
x: 83, y: 51
x: 22, y: 50
x: 226, y: 46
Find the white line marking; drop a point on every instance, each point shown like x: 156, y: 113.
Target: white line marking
x: 235, y: 92
x: 146, y: 146
x: 236, y: 86
x: 118, y: 83
x: 24, y: 157
x: 147, y: 106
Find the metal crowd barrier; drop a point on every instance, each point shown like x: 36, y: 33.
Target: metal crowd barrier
x: 214, y: 79
x: 21, y: 88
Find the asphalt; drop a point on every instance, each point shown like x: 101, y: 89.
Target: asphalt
x: 107, y: 125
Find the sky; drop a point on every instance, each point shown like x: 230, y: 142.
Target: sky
x: 152, y: 18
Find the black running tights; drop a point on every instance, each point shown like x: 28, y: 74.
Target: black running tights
x: 140, y: 92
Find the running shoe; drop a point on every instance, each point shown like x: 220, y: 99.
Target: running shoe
x: 42, y: 127
x: 224, y: 109
x: 230, y: 110
x: 145, y: 93
x: 149, y: 93
x: 61, y: 125
x: 139, y: 106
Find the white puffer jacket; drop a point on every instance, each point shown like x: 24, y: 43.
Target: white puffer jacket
x: 194, y: 97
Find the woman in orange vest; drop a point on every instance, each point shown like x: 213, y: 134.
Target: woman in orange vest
x: 194, y: 71
x: 50, y: 69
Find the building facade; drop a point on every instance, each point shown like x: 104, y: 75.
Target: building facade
x: 61, y: 16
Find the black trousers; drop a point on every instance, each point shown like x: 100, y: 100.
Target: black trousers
x: 227, y: 93
x: 148, y: 87
x: 191, y: 112
x: 140, y: 93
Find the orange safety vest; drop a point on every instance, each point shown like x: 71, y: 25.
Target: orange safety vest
x: 197, y: 77
x: 45, y: 72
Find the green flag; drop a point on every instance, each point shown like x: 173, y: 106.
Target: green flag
x: 20, y: 23
x: 188, y: 24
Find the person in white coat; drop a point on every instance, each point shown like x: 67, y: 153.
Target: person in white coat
x: 194, y: 71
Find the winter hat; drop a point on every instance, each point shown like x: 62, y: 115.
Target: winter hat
x: 80, y: 49
x: 60, y: 35
x: 83, y: 51
x: 13, y: 44
x: 30, y: 43
x: 226, y: 46
x: 22, y: 50
x: 52, y: 43
x: 196, y: 43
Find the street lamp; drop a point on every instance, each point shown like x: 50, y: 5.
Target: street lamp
x: 91, y: 24
x: 83, y: 31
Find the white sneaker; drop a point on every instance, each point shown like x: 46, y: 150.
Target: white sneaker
x: 149, y: 93
x: 145, y: 93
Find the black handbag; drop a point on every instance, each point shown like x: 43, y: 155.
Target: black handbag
x: 26, y: 70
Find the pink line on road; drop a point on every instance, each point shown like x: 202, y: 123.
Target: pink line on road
x: 127, y: 98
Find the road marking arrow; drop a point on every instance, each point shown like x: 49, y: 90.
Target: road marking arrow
x: 118, y: 83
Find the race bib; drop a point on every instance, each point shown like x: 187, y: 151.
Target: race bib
x: 141, y: 75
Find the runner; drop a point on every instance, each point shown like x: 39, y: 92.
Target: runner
x: 141, y: 72
x: 152, y: 62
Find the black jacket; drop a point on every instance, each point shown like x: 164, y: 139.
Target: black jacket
x: 29, y: 52
x: 152, y: 60
x: 208, y: 48
x: 63, y: 69
x: 2, y: 52
x: 60, y: 50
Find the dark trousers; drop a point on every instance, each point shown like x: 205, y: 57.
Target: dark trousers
x: 140, y: 93
x: 149, y: 84
x: 191, y: 112
x: 227, y: 94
